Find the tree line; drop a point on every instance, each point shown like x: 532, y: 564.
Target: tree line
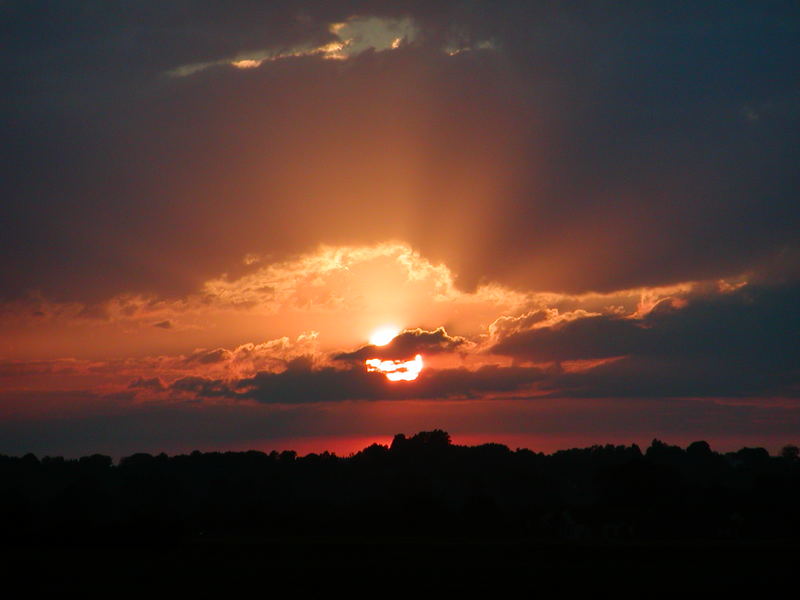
x: 422, y: 485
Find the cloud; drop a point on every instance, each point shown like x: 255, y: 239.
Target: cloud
x: 407, y: 344
x: 303, y: 382
x: 740, y: 342
x: 201, y: 386
x: 590, y: 337
x: 204, y: 356
x: 736, y: 343
x: 705, y: 341
x: 152, y: 383
x: 349, y: 38
x: 593, y: 149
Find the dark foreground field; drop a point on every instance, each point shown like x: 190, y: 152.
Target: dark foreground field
x: 422, y: 512
x: 381, y: 567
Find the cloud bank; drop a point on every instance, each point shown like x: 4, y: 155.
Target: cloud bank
x: 574, y: 148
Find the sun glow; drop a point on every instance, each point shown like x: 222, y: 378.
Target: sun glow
x: 384, y: 335
x: 396, y: 370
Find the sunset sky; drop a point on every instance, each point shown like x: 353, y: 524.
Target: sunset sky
x: 582, y: 217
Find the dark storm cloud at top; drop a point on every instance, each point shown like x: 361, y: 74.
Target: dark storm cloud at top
x: 593, y: 146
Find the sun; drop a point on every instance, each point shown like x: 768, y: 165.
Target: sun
x: 396, y: 370
x: 383, y: 335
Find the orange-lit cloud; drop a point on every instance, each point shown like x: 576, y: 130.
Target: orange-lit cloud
x: 546, y: 353
x: 351, y: 37
x: 525, y: 357
x: 343, y: 293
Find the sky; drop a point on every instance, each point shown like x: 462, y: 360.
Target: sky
x: 582, y: 217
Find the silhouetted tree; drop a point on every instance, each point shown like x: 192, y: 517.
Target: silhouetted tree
x: 698, y: 449
x: 790, y: 452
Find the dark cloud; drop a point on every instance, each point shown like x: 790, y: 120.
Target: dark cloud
x: 202, y: 387
x: 504, y: 326
x: 302, y: 383
x: 591, y: 337
x: 738, y: 343
x: 408, y: 344
x: 151, y: 383
x: 208, y: 357
x: 595, y: 146
x: 163, y: 324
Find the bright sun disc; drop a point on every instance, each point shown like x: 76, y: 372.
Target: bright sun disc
x: 384, y: 335
x: 396, y: 370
